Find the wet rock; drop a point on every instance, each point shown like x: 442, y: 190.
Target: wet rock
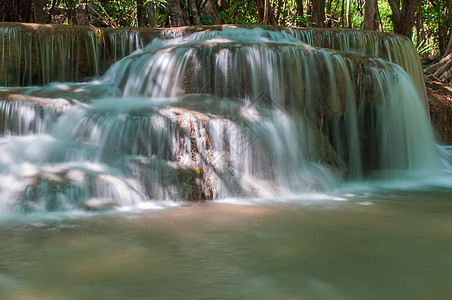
x: 99, y: 204
x: 60, y: 104
x: 440, y: 104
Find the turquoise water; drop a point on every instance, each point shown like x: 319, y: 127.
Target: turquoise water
x: 370, y: 245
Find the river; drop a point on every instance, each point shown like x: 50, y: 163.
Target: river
x: 367, y: 245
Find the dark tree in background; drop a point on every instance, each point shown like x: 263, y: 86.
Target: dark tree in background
x: 315, y: 10
x: 369, y: 15
x: 299, y: 8
x: 15, y: 11
x: 403, y: 14
x: 150, y: 12
x: 38, y: 8
x: 177, y: 15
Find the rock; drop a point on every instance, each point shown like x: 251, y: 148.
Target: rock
x: 59, y: 104
x: 440, y: 104
x: 99, y: 204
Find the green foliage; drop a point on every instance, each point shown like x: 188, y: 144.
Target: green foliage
x: 240, y: 12
x: 161, y: 10
x: 206, y: 20
x: 424, y: 47
x: 200, y: 4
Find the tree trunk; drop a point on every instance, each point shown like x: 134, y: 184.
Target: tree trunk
x: 419, y: 29
x: 449, y: 44
x: 270, y: 15
x: 176, y: 16
x: 379, y: 25
x: 265, y: 12
x: 347, y: 15
x: 223, y: 5
x: 193, y: 12
x: 409, y: 8
x: 140, y: 14
x: 449, y: 13
x: 16, y: 11
x: 315, y: 11
x: 52, y: 6
x: 149, y: 6
x: 71, y: 13
x: 38, y: 7
x: 299, y: 11
x: 342, y: 13
x: 265, y: 18
x: 260, y: 11
x: 403, y: 17
x: 396, y: 15
x: 211, y: 10
x: 369, y: 15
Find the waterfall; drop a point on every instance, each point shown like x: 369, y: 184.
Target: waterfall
x: 25, y: 118
x: 393, y: 48
x: 236, y: 112
x: 91, y: 50
x: 42, y: 55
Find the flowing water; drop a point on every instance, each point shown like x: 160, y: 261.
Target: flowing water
x: 230, y: 164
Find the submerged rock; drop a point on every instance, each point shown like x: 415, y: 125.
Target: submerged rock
x: 99, y: 204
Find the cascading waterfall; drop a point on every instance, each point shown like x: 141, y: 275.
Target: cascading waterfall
x: 213, y: 114
x: 393, y: 48
x: 25, y: 118
x: 40, y: 56
x: 94, y: 49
